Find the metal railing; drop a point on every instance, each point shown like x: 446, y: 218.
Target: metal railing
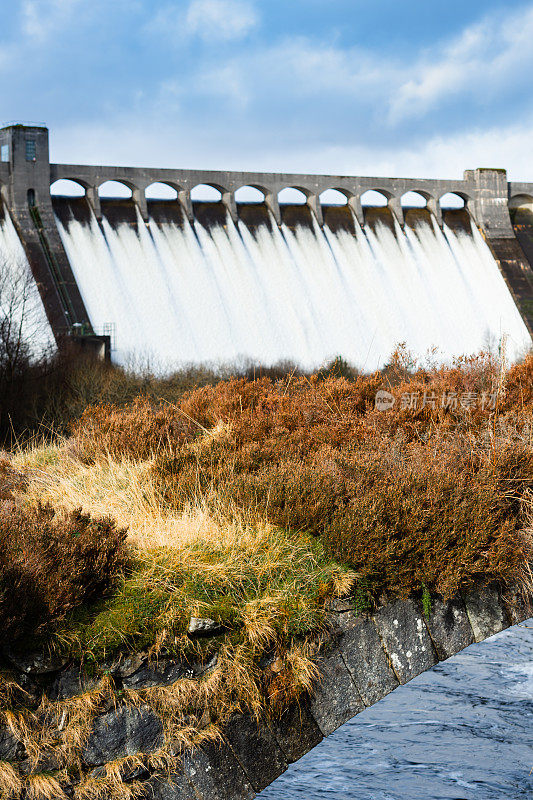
x: 81, y: 329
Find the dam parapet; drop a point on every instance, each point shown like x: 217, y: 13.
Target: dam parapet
x: 138, y: 179
x: 26, y: 176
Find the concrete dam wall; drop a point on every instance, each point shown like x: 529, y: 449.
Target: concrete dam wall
x: 180, y: 280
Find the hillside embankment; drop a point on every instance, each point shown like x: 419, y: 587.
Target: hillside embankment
x: 172, y: 563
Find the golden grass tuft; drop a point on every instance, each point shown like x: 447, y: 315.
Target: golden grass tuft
x: 43, y: 787
x: 59, y: 728
x: 71, y: 719
x: 11, y: 693
x: 10, y: 781
x: 108, y: 788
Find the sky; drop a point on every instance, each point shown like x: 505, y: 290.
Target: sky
x: 361, y: 87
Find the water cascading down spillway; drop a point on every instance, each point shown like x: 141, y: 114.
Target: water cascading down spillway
x: 21, y: 309
x: 218, y: 291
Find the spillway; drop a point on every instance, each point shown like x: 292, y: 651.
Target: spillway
x: 20, y: 303
x: 218, y: 291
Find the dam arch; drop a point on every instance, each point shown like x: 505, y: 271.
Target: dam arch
x: 161, y: 190
x: 381, y: 198
x: 453, y: 200
x: 375, y: 198
x: 116, y: 189
x: 293, y: 195
x: 335, y: 197
x: 68, y: 187
x: 207, y: 193
x: 415, y: 199
x: 250, y: 194
x: 521, y: 201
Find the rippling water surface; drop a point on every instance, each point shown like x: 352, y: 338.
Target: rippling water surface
x: 462, y: 731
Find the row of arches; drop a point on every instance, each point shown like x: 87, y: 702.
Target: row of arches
x: 252, y: 194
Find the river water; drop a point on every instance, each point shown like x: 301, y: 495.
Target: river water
x: 462, y: 731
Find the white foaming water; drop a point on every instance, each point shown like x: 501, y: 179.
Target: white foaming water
x: 19, y: 296
x: 197, y: 294
x: 521, y: 677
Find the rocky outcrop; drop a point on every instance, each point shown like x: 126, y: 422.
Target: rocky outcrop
x: 362, y: 658
x: 124, y: 732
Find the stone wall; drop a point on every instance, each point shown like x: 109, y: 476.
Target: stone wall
x: 362, y: 658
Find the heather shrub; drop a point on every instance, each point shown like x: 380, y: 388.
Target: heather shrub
x: 254, y: 503
x: 436, y: 517
x: 519, y: 387
x: 303, y: 406
x: 261, y: 407
x: 43, y: 397
x: 51, y: 563
x: 403, y: 514
x: 137, y: 431
x: 434, y: 495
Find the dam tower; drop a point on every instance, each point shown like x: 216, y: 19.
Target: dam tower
x: 25, y: 192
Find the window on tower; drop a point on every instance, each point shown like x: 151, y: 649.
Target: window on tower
x: 30, y: 150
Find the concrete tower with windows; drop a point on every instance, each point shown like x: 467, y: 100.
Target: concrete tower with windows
x: 25, y: 149
x: 26, y: 198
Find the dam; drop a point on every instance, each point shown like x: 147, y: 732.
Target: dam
x: 190, y: 280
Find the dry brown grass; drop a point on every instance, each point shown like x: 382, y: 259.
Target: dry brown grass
x: 44, y: 787
x: 10, y: 781
x: 254, y: 502
x: 435, y: 497
x: 58, y: 729
x: 265, y: 586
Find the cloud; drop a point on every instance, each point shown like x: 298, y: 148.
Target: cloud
x: 314, y: 66
x: 40, y: 18
x: 126, y: 141
x: 209, y: 20
x: 216, y: 20
x: 482, y: 60
x: 290, y: 102
x: 438, y: 156
x: 226, y: 82
x: 295, y: 75
x: 460, y: 81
